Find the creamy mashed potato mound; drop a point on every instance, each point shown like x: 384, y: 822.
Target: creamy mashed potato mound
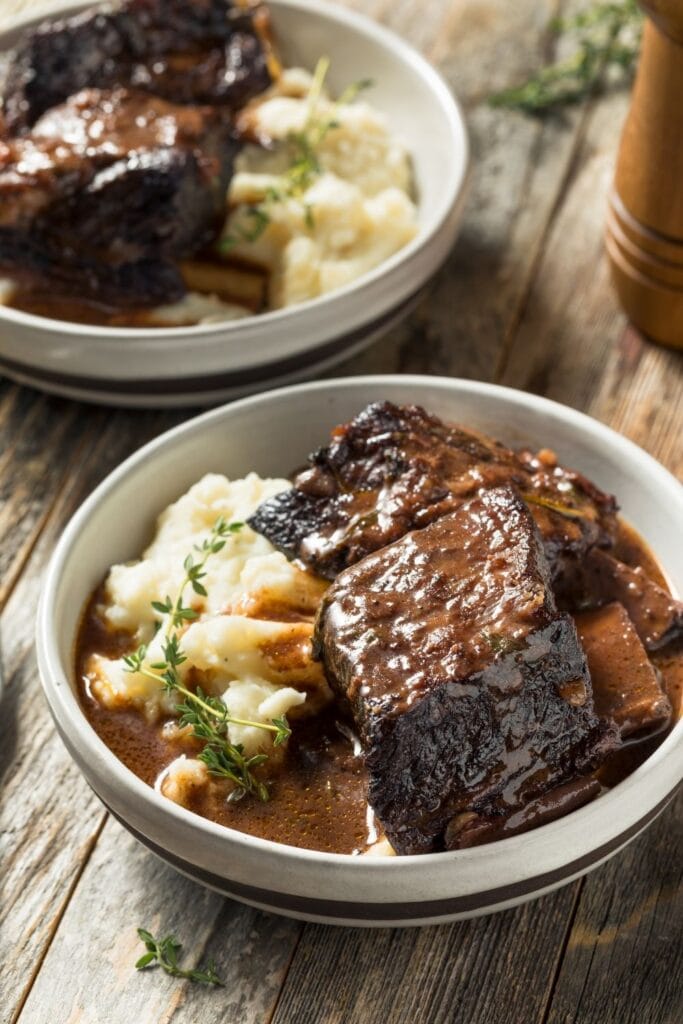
x: 251, y: 642
x: 354, y: 215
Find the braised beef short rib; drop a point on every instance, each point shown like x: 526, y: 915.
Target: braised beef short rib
x: 397, y: 468
x: 469, y: 689
x: 188, y: 51
x: 117, y: 143
x: 109, y: 190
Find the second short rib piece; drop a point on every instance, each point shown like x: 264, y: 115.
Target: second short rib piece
x: 625, y: 684
x: 138, y: 184
x: 189, y: 51
x: 469, y: 689
x: 600, y: 579
x: 397, y: 468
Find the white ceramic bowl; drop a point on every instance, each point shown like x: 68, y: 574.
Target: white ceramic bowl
x: 208, y: 362
x: 272, y: 434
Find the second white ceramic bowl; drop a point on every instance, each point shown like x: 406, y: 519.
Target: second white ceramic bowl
x: 272, y: 434
x: 205, y: 363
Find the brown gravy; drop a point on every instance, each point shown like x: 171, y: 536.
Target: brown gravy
x: 318, y: 793
x: 27, y: 299
x: 75, y: 311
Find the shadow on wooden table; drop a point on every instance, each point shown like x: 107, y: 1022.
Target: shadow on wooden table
x: 565, y: 957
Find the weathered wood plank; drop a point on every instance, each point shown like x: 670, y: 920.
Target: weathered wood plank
x: 492, y: 969
x: 124, y: 887
x: 518, y: 169
x: 622, y: 961
x: 573, y: 343
x: 42, y: 841
x: 40, y: 440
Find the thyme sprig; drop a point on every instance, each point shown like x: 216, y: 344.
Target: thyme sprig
x: 164, y: 953
x: 607, y: 37
x: 209, y: 716
x: 194, y: 573
x: 209, y: 719
x: 305, y: 165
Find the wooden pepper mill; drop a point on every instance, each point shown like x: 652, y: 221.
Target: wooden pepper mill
x: 645, y: 220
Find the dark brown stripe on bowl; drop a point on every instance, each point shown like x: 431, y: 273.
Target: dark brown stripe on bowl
x: 190, y: 385
x: 392, y: 912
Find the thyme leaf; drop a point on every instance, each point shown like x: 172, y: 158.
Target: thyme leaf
x: 210, y: 719
x: 607, y: 37
x: 554, y: 506
x: 164, y: 953
x: 501, y: 644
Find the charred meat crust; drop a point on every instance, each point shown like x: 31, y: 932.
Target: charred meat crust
x: 396, y: 468
x: 163, y: 207
x: 450, y: 753
x: 470, y: 690
x: 204, y: 51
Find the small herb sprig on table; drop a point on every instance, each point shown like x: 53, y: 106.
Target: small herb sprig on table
x: 305, y: 165
x: 607, y: 37
x: 209, y: 716
x: 164, y: 953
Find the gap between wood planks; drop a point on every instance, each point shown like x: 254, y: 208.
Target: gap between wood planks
x: 512, y: 331
x: 278, y: 999
x: 562, y: 950
x: 92, y: 843
x: 9, y: 583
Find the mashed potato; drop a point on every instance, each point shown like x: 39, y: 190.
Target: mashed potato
x: 251, y: 642
x: 354, y: 214
x: 193, y: 308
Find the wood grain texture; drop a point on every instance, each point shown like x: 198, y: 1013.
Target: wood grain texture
x: 497, y: 968
x: 33, y: 430
x: 573, y: 342
x: 123, y: 887
x: 523, y: 298
x: 518, y: 169
x: 43, y: 843
x: 622, y: 961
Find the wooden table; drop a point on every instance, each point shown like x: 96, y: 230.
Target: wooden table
x: 524, y: 299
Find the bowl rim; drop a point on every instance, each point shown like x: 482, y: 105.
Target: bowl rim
x: 65, y: 707
x: 451, y: 194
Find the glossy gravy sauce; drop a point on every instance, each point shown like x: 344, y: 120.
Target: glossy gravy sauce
x: 79, y: 311
x: 25, y: 297
x: 318, y: 794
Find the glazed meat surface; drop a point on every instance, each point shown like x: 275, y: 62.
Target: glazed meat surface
x: 469, y: 689
x: 188, y: 51
x: 109, y: 189
x: 397, y: 468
